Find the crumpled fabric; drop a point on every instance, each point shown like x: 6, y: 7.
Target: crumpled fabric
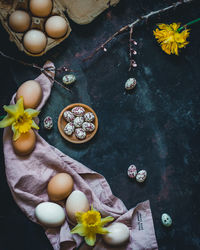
x: 28, y: 177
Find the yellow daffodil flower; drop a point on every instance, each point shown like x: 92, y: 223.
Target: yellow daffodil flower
x: 89, y: 224
x: 170, y: 38
x: 20, y: 119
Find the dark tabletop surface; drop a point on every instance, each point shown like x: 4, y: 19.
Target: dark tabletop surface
x: 156, y: 126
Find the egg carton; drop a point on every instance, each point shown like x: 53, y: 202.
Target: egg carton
x: 7, y: 7
x: 80, y: 11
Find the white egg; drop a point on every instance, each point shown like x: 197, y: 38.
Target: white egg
x: 34, y: 41
x: 56, y: 26
x: 50, y: 214
x: 76, y: 202
x: 118, y: 234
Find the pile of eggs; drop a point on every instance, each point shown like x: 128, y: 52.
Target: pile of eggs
x: 79, y: 122
x: 51, y: 214
x: 40, y: 23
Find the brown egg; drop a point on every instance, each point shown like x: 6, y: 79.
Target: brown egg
x: 31, y: 92
x: 34, y: 41
x: 25, y: 144
x: 41, y: 8
x: 60, y: 186
x: 19, y: 21
x: 56, y: 26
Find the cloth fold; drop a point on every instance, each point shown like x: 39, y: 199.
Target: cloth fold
x: 28, y: 177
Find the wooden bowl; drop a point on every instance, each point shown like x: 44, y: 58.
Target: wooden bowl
x: 62, y: 123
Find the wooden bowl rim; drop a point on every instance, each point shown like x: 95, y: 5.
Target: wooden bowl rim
x: 66, y: 137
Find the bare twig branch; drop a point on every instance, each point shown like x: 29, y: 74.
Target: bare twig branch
x: 134, y: 23
x: 46, y: 70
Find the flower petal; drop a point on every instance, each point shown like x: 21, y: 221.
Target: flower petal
x: 15, y: 110
x: 16, y: 133
x: 7, y: 121
x: 79, y: 216
x: 32, y: 112
x: 102, y: 230
x: 106, y: 220
x: 78, y: 229
x: 34, y: 125
x: 164, y: 26
x: 20, y: 106
x: 90, y: 239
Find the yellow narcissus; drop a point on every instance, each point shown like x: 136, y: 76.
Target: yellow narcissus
x: 89, y: 224
x: 21, y: 120
x: 170, y: 37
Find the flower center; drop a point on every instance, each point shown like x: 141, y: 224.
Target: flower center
x: 91, y: 218
x: 23, y: 123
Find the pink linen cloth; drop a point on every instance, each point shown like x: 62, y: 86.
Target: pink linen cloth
x: 28, y: 177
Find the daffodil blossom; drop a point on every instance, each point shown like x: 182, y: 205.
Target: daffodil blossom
x: 170, y: 37
x: 89, y: 224
x: 19, y: 119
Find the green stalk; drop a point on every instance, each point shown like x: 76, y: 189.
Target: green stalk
x: 188, y: 24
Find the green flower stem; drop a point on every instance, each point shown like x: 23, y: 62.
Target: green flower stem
x: 188, y: 24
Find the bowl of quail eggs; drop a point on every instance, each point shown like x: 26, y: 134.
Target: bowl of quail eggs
x: 77, y: 123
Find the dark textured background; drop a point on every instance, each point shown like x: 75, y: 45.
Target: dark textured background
x: 156, y: 126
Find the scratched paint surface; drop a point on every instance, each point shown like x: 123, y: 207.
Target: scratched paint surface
x: 155, y: 127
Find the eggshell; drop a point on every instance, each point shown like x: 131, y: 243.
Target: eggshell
x: 31, y: 92
x: 56, y: 26
x: 19, y: 21
x: 41, y: 8
x: 60, y: 186
x: 141, y: 176
x: 34, y: 41
x: 166, y: 220
x: 76, y: 202
x: 118, y: 234
x: 25, y: 144
x: 50, y: 214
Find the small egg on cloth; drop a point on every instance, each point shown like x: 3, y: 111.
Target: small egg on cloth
x: 50, y: 214
x: 31, y: 92
x: 41, y: 8
x: 76, y: 202
x: 25, y: 144
x: 118, y: 234
x: 34, y: 41
x: 60, y: 186
x: 19, y: 21
x: 56, y: 26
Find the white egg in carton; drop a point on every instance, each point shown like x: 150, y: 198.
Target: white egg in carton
x: 34, y: 25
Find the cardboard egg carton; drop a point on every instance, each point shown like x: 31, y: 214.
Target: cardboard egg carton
x: 7, y: 7
x: 85, y: 11
x: 80, y: 11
